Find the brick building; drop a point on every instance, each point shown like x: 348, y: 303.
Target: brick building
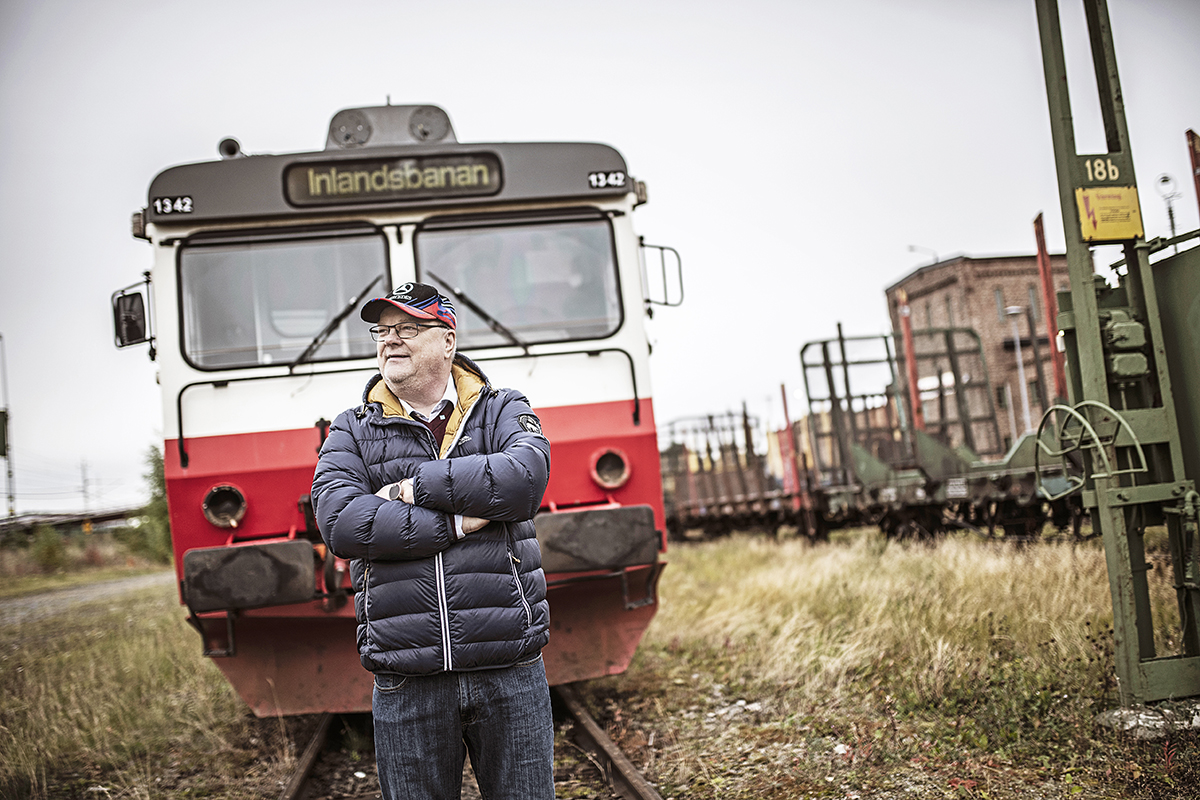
x: 977, y: 294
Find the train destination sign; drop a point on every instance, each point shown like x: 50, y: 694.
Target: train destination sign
x: 389, y: 179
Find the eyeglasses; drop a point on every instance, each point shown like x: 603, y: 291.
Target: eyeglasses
x: 403, y: 330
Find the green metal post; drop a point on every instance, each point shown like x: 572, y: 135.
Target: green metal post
x: 1124, y: 386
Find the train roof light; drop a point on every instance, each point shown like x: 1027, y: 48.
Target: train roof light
x: 384, y: 126
x: 230, y: 148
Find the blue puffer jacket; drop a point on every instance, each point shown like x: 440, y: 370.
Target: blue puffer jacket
x: 426, y: 601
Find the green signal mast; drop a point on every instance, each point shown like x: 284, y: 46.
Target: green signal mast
x: 1132, y: 428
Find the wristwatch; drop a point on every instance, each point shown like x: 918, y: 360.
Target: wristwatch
x: 394, y: 491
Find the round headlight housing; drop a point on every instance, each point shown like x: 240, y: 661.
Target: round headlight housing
x: 610, y: 468
x: 224, y: 506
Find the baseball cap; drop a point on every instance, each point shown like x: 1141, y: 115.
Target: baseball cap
x: 416, y: 299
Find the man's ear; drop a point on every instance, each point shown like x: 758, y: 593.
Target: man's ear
x: 451, y: 341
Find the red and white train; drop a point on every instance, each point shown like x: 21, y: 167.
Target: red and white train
x: 250, y: 309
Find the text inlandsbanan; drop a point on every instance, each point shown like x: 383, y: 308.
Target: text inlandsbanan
x: 412, y: 178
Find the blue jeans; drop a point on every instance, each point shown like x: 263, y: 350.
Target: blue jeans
x: 426, y: 725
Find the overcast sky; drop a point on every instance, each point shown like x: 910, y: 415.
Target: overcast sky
x: 793, y: 153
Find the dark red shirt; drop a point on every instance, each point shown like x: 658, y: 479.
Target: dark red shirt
x: 437, y: 421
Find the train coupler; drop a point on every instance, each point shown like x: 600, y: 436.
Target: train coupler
x: 650, y: 595
x: 216, y: 640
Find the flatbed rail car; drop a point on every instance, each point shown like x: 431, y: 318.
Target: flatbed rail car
x: 260, y: 261
x: 874, y: 466
x: 717, y: 479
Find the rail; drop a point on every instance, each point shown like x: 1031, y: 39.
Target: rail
x: 618, y: 770
x: 295, y: 786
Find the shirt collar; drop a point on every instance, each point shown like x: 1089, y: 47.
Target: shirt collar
x: 450, y: 394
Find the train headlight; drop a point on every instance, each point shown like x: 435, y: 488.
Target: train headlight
x: 224, y: 506
x: 610, y: 468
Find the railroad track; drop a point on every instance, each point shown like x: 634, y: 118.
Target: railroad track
x: 618, y: 770
x: 615, y: 768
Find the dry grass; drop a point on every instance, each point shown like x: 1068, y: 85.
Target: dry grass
x: 115, y: 700
x: 826, y: 616
x: 773, y: 670
x: 863, y: 668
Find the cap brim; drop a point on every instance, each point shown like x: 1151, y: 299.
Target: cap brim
x: 374, y: 308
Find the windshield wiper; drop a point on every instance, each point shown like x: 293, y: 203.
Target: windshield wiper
x: 320, y: 338
x: 492, y: 322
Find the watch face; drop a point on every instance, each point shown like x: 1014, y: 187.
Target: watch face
x: 393, y: 491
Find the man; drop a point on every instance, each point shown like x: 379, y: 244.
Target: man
x: 430, y: 487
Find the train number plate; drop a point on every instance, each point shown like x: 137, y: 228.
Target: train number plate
x: 607, y: 180
x: 173, y: 205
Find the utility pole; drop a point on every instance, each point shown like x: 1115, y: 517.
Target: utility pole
x: 1013, y: 312
x: 1194, y: 154
x: 83, y: 477
x: 7, y: 449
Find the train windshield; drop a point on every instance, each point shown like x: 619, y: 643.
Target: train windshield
x: 249, y: 303
x: 543, y: 281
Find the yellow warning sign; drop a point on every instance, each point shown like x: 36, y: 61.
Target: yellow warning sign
x: 1109, y: 213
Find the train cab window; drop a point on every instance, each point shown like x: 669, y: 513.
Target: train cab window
x: 543, y: 281
x: 249, y: 303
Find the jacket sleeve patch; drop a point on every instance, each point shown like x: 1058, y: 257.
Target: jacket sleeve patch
x: 531, y: 424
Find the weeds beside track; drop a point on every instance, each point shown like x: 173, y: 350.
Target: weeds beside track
x: 859, y: 668
x: 865, y: 668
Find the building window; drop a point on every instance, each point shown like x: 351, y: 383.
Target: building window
x: 949, y: 311
x: 999, y: 293
x: 1001, y: 398
x: 1033, y: 304
x: 928, y: 313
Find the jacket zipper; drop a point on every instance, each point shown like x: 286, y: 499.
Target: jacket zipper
x: 367, y: 596
x: 443, y: 603
x: 443, y: 613
x: 512, y: 563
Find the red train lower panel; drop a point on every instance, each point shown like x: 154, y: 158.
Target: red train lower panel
x: 300, y: 659
x: 597, y: 624
x: 297, y: 665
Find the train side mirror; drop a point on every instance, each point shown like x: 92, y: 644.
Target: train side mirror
x: 131, y: 323
x: 129, y: 319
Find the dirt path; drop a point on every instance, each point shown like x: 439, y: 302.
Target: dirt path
x: 16, y: 610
